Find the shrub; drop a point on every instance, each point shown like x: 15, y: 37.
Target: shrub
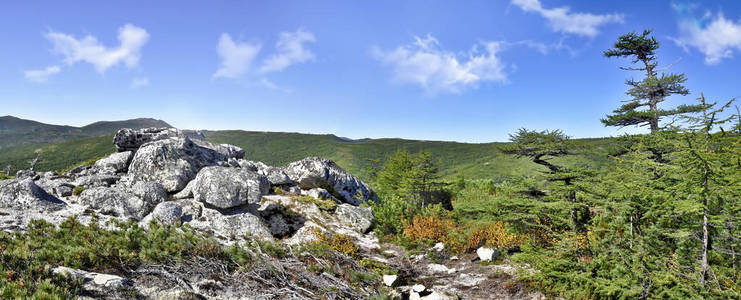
x: 26, y: 258
x: 433, y: 228
x: 338, y: 242
x: 494, y: 235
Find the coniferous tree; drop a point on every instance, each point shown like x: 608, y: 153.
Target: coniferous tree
x: 646, y: 94
x: 541, y: 147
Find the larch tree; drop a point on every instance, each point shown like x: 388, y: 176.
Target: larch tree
x: 642, y: 109
x: 543, y: 146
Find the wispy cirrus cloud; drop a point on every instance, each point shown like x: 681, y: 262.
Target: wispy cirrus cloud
x: 42, y: 75
x: 563, y: 20
x: 139, y: 82
x: 426, y: 64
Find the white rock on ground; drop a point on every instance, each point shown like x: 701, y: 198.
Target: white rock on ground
x: 91, y: 281
x: 389, y: 280
x: 485, y: 254
x: 438, y: 247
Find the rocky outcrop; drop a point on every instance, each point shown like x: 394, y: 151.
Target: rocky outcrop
x: 171, y: 162
x: 118, y: 162
x: 276, y: 176
x: 315, y: 172
x: 225, y: 187
x: 131, y: 139
x: 116, y: 202
x: 23, y: 194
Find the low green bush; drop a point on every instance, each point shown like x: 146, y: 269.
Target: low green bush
x: 26, y: 258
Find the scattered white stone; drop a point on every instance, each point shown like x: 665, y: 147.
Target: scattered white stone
x: 485, y: 254
x: 418, y: 288
x: 467, y: 280
x: 437, y: 268
x: 434, y: 296
x: 389, y: 280
x: 454, y: 257
x: 418, y: 257
x: 414, y: 296
x: 92, y: 280
x: 390, y: 252
x: 439, y: 247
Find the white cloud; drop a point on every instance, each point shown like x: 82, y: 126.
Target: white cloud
x: 236, y: 58
x: 88, y: 49
x: 139, y: 82
x: 717, y: 39
x: 290, y: 50
x: 41, y: 75
x: 424, y: 63
x: 562, y: 20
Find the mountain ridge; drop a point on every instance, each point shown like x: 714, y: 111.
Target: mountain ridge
x: 15, y: 131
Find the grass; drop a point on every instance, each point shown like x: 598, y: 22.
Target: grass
x: 57, y: 156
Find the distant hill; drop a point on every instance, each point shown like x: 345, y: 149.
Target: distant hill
x: 474, y: 161
x: 20, y: 132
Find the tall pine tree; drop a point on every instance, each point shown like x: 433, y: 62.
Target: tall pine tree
x: 646, y: 95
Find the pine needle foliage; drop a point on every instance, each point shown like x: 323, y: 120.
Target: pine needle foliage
x: 642, y: 109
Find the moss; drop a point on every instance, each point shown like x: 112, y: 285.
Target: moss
x: 362, y: 278
x: 376, y: 267
x: 323, y: 204
x: 78, y: 190
x: 277, y: 190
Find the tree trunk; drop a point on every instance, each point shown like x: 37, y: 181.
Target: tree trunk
x: 652, y: 101
x: 704, y: 262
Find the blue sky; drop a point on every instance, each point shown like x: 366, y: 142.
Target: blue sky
x: 471, y: 71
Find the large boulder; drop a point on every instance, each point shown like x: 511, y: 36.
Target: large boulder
x: 150, y: 192
x: 23, y: 194
x: 168, y: 212
x: 116, y: 202
x: 119, y: 162
x: 128, y: 139
x: 224, y: 187
x: 171, y: 162
x: 225, y: 150
x: 315, y: 172
x: 232, y: 226
x: 60, y: 187
x: 96, y: 180
x: 276, y: 176
x: 359, y: 219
